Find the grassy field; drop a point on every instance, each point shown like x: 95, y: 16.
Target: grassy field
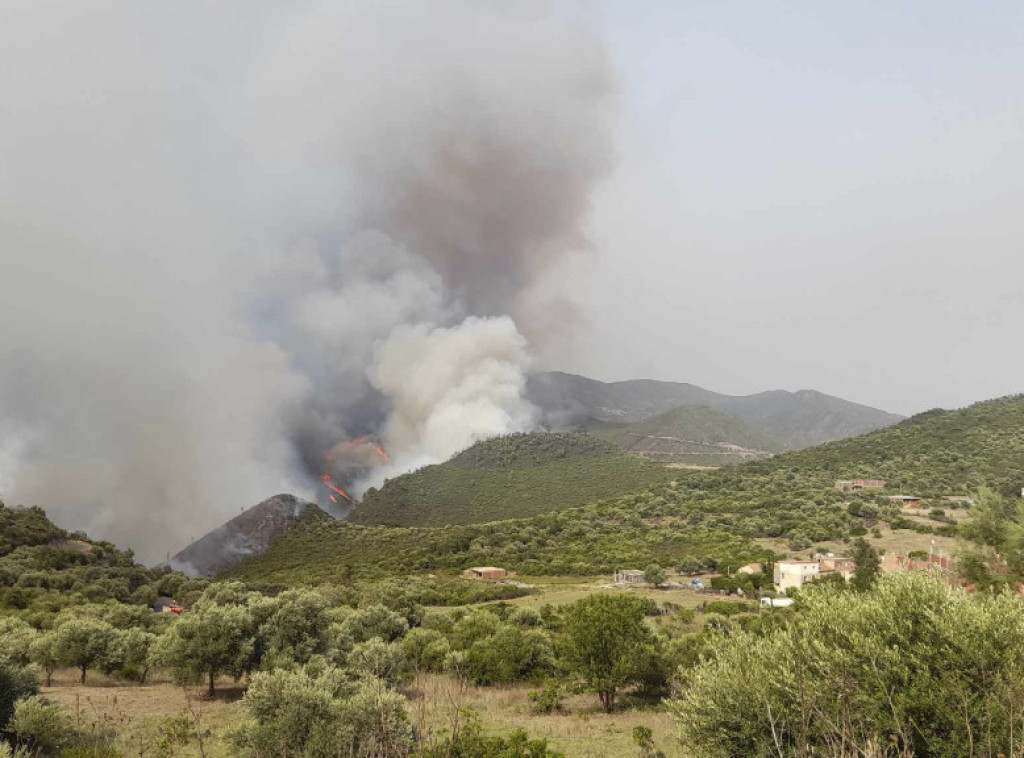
x: 134, y: 712
x: 563, y: 590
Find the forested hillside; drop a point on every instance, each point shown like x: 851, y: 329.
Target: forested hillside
x: 695, y: 435
x: 515, y: 476
x: 936, y: 452
x: 701, y: 515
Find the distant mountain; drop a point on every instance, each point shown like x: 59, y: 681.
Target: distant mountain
x: 246, y: 535
x: 798, y: 419
x: 693, y: 434
x: 515, y: 476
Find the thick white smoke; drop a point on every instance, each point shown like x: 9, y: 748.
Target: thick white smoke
x: 452, y: 387
x: 233, y: 235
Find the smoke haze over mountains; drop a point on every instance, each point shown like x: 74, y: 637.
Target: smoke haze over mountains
x: 234, y: 236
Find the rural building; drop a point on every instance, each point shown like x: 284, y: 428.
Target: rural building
x: 776, y: 602
x: 937, y: 562
x: 795, y: 573
x: 830, y: 564
x: 486, y: 572
x: 854, y: 485
x: 905, y: 499
x: 750, y: 568
x: 164, y: 604
x: 630, y: 576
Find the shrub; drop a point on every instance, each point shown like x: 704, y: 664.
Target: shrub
x: 881, y: 667
x: 297, y: 715
x: 16, y: 683
x: 548, y: 699
x: 425, y: 649
x: 41, y: 725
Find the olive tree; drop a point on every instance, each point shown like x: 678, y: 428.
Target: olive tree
x: 208, y: 642
x: 83, y: 643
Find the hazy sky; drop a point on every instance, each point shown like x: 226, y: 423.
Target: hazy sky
x: 813, y: 195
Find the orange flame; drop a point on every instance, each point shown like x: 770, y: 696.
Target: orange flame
x: 335, y: 488
x: 382, y: 454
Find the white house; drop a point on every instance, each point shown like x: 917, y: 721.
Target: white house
x: 795, y: 574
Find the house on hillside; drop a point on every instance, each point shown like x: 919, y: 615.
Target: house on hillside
x: 795, y: 574
x: 855, y: 485
x: 164, y: 604
x: 486, y: 572
x: 750, y: 568
x: 905, y: 499
x: 630, y: 576
x: 937, y: 562
x: 830, y: 564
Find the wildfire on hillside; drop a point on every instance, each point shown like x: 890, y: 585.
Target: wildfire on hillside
x: 348, y: 461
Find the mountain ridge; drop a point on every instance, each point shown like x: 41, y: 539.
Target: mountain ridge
x: 799, y: 419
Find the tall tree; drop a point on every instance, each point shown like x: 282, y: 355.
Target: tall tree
x: 603, y: 641
x: 866, y: 558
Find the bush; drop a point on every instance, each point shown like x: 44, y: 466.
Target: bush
x: 881, y: 667
x: 725, y: 608
x: 425, y: 649
x: 16, y: 683
x: 41, y: 725
x: 655, y: 574
x: 548, y: 699
x: 511, y: 654
x: 297, y: 715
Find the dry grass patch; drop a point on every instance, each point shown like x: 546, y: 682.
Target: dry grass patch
x: 134, y: 711
x: 582, y: 731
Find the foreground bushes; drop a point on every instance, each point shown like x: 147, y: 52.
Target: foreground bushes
x: 910, y: 669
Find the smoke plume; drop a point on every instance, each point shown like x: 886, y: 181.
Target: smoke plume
x: 234, y: 235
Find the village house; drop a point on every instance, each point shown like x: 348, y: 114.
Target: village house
x: 164, y: 604
x: 486, y: 572
x: 855, y: 485
x: 830, y: 564
x: 630, y: 576
x: 750, y: 568
x: 937, y: 562
x: 905, y: 499
x: 795, y: 574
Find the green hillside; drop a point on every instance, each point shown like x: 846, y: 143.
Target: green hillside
x: 934, y: 453
x: 509, y: 477
x: 701, y: 519
x: 581, y: 541
x: 693, y: 434
x: 25, y: 527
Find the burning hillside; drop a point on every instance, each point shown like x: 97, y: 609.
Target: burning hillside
x: 247, y: 534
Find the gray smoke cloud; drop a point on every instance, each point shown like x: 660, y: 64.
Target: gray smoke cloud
x: 232, y: 236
